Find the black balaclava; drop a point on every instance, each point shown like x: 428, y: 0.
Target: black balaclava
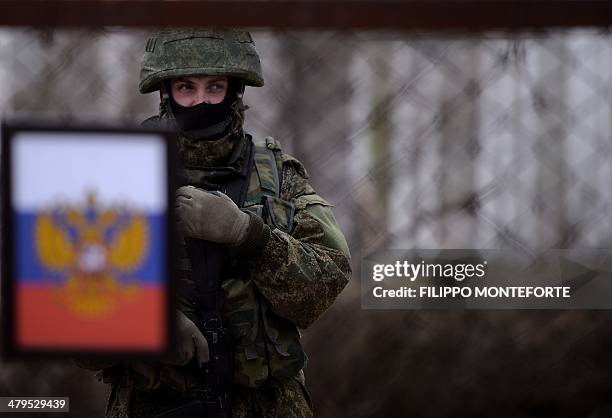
x: 207, y: 122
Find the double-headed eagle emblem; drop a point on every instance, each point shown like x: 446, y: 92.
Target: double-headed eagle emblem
x: 91, y: 254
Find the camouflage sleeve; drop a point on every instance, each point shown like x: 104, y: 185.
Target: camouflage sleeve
x: 302, y: 273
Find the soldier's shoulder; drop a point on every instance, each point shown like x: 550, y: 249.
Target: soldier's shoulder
x: 293, y: 174
x: 287, y: 161
x: 295, y: 180
x: 292, y: 163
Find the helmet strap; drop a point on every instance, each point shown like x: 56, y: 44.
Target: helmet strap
x: 165, y: 110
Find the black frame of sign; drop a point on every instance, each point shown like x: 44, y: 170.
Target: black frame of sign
x: 9, y: 132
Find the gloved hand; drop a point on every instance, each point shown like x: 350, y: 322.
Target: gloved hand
x: 190, y: 341
x: 211, y: 216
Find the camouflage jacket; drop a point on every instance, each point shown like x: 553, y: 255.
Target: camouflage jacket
x: 291, y: 272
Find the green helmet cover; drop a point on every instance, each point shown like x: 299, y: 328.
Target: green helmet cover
x: 175, y: 53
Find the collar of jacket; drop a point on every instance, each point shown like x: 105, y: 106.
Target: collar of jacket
x: 207, y: 176
x: 207, y: 154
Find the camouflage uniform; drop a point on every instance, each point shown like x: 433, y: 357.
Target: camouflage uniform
x: 288, y: 271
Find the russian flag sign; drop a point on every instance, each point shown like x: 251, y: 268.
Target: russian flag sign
x: 85, y: 240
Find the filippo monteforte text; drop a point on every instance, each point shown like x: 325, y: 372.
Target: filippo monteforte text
x: 475, y: 292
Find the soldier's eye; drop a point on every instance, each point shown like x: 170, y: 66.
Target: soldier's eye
x: 216, y: 88
x: 185, y: 87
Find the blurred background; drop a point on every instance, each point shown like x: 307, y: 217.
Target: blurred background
x: 420, y: 140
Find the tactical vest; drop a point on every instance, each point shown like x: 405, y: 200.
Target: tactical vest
x: 266, y: 344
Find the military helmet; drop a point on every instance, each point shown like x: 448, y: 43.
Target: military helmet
x: 174, y: 53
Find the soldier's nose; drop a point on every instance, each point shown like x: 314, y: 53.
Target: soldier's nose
x: 201, y: 97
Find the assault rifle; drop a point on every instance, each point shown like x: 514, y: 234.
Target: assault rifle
x: 213, y: 396
x: 207, y: 262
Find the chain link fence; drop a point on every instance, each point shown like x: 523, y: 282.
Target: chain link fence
x: 494, y: 140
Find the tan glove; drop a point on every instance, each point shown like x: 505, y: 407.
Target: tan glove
x: 211, y: 216
x: 190, y: 342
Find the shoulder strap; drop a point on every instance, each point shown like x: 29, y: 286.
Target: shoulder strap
x: 268, y: 164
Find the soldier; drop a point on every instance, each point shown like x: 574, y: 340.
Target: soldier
x: 281, y: 257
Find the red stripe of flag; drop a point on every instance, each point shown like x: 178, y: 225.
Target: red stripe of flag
x: 138, y: 323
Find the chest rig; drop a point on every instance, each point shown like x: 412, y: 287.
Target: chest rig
x: 265, y: 344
